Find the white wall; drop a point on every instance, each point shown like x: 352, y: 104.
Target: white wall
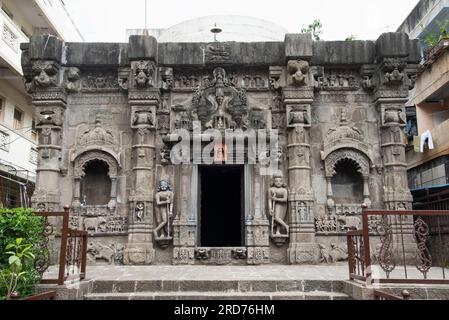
x: 19, y: 151
x: 10, y: 50
x: 60, y: 20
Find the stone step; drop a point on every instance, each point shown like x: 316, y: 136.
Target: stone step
x: 212, y: 295
x: 217, y: 286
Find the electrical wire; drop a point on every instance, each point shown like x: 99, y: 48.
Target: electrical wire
x: 11, y: 142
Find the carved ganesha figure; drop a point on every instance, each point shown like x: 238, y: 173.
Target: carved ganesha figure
x: 277, y: 204
x: 164, y: 210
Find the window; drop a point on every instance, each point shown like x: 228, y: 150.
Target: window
x: 18, y: 118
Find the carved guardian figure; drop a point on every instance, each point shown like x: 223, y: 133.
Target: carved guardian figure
x: 298, y: 70
x: 277, y: 204
x: 164, y: 210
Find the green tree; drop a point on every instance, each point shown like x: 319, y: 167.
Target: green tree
x: 315, y: 29
x: 352, y: 37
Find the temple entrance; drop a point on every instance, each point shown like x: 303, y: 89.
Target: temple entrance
x: 221, y: 206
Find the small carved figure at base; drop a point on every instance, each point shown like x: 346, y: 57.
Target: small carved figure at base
x: 324, y: 254
x: 334, y: 254
x: 202, y: 254
x: 239, y: 254
x: 98, y: 251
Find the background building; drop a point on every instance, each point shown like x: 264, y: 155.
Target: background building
x: 20, y: 19
x: 428, y: 111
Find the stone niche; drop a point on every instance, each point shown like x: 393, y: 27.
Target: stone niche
x: 111, y: 118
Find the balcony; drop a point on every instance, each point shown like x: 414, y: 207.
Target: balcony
x: 57, y: 17
x: 11, y: 37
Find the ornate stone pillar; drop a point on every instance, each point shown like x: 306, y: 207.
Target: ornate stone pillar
x: 185, y: 224
x: 144, y: 99
x: 302, y: 247
x: 44, y: 80
x: 257, y: 224
x: 393, y: 80
x: 391, y: 94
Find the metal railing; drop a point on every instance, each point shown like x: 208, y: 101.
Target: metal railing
x: 400, y: 247
x: 73, y: 249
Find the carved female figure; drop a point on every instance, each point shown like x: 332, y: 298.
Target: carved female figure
x: 164, y: 210
x: 278, y: 196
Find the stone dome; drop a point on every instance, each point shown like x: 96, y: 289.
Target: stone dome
x: 234, y: 28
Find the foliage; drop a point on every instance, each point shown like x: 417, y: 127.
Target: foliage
x: 315, y: 28
x: 432, y: 39
x: 352, y: 37
x: 17, y: 257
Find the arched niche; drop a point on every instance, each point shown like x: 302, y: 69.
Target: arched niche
x: 352, y: 167
x: 95, y: 164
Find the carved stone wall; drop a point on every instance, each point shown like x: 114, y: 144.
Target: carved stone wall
x: 127, y: 105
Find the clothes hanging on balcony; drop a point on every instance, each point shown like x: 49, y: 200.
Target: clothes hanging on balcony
x: 416, y: 143
x: 426, y: 136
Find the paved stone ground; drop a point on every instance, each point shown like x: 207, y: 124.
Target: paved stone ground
x: 337, y: 272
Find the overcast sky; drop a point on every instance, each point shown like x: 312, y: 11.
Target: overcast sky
x: 107, y: 20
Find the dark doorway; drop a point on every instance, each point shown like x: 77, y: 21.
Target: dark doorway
x: 221, y: 206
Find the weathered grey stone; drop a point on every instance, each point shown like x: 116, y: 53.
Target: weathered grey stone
x: 168, y: 285
x: 152, y: 286
x: 264, y: 286
x: 103, y: 286
x: 95, y: 54
x: 317, y: 285
x: 117, y: 105
x: 142, y: 47
x: 208, y: 285
x: 392, y: 44
x: 289, y: 285
x: 298, y: 46
x: 46, y: 47
x: 124, y: 286
x: 343, y: 52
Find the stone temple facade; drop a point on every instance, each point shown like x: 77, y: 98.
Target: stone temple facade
x: 111, y: 118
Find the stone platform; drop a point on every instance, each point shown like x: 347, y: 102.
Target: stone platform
x: 270, y: 282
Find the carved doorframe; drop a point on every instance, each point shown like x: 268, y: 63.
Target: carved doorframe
x: 246, y: 200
